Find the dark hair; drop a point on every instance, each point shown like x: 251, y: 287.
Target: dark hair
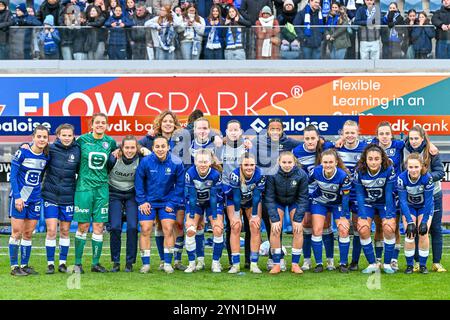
x: 130, y: 137
x: 319, y: 146
x: 411, y: 10
x: 195, y: 115
x: 362, y: 162
x: 41, y: 127
x: 383, y: 124
x: 215, y: 6
x: 192, y: 5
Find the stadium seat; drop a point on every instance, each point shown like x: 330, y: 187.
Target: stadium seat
x: 435, y: 5
x: 413, y: 4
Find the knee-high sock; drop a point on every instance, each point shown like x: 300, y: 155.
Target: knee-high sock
x: 317, y: 248
x: 368, y: 250
x: 179, y: 242
x: 389, y: 245
x: 217, y: 247
x: 14, y: 251
x: 80, y: 242
x: 159, y: 239
x: 97, y: 245
x: 25, y: 252
x: 328, y: 242
x: 50, y: 248
x: 307, y: 232
x: 64, y: 244
x: 379, y: 249
x: 191, y: 247
x: 200, y: 243
x: 356, y: 250
x: 344, y: 247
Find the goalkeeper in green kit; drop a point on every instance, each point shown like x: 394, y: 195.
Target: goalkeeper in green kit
x: 92, y: 191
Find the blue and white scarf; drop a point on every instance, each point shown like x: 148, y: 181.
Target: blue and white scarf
x: 333, y: 20
x: 234, y: 38
x: 214, y: 38
x: 308, y: 31
x: 370, y: 14
x: 326, y: 7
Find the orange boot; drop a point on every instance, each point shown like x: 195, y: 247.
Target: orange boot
x: 296, y: 268
x: 275, y: 269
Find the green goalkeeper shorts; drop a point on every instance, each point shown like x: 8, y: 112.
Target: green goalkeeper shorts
x: 92, y: 205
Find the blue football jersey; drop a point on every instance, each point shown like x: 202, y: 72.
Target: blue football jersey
x: 394, y: 152
x: 256, y: 182
x: 375, y: 185
x: 203, y: 185
x: 351, y: 156
x: 416, y: 191
x: 27, y: 170
x: 329, y: 191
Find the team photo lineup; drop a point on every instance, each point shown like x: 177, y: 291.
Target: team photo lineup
x: 176, y: 182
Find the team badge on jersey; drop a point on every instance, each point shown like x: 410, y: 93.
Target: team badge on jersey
x: 294, y: 183
x: 168, y: 171
x: 17, y: 155
x: 105, y: 145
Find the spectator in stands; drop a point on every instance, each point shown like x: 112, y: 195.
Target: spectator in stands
x: 156, y: 5
x: 336, y: 34
x: 117, y: 44
x: 421, y: 37
x: 49, y: 39
x: 130, y: 8
x: 310, y: 29
x: 279, y: 5
x: 441, y: 20
x: 47, y: 7
x: 267, y: 36
x: 5, y: 22
x: 191, y: 33
x: 290, y: 46
x: 21, y: 39
x: 70, y: 18
x: 214, y: 34
x: 112, y: 5
x: 97, y: 35
x: 351, y: 7
x: 250, y: 9
x: 80, y: 47
x: 235, y: 35
x: 410, y: 21
x: 101, y: 5
x: 164, y: 39
x: 224, y: 5
x: 141, y: 38
x: 368, y: 18
x: 392, y: 37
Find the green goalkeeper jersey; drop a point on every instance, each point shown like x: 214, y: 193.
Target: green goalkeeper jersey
x: 94, y: 157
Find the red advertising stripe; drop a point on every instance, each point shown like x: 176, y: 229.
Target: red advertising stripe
x: 434, y: 125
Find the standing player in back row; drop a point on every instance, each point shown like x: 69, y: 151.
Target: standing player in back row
x: 92, y: 191
x: 27, y: 169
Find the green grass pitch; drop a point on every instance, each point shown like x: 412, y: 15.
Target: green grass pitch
x: 206, y: 285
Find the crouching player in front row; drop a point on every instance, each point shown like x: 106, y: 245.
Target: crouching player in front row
x: 159, y: 184
x: 288, y: 188
x: 374, y: 182
x: 415, y: 190
x: 244, y: 191
x: 204, y: 195
x: 332, y: 194
x: 27, y: 168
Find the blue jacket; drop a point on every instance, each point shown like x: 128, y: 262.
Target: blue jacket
x: 316, y: 37
x: 368, y: 33
x: 118, y: 35
x: 60, y: 180
x: 289, y: 188
x: 267, y: 151
x: 160, y: 183
x: 421, y: 38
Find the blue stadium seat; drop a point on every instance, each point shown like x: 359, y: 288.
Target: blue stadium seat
x: 413, y: 4
x: 435, y: 5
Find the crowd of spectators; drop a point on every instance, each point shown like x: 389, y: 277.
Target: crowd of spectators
x: 221, y: 29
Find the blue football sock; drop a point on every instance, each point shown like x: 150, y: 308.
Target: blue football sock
x: 379, y: 249
x: 145, y: 256
x: 328, y: 242
x: 307, y: 243
x: 276, y: 255
x: 179, y: 241
x: 296, y: 254
x: 64, y: 244
x: 50, y: 248
x: 317, y: 248
x: 235, y: 258
x: 344, y: 247
x: 254, y: 256
x: 217, y: 247
x: 389, y: 245
x: 368, y: 250
x: 14, y: 251
x: 356, y: 250
x: 159, y: 239
x: 168, y: 255
x: 423, y: 256
x: 409, y: 255
x: 200, y: 243
x: 25, y: 252
x: 396, y: 251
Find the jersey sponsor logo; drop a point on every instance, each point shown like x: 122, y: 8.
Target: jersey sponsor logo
x: 32, y: 177
x: 79, y: 210
x: 69, y: 209
x: 123, y: 174
x: 97, y: 160
x: 49, y: 204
